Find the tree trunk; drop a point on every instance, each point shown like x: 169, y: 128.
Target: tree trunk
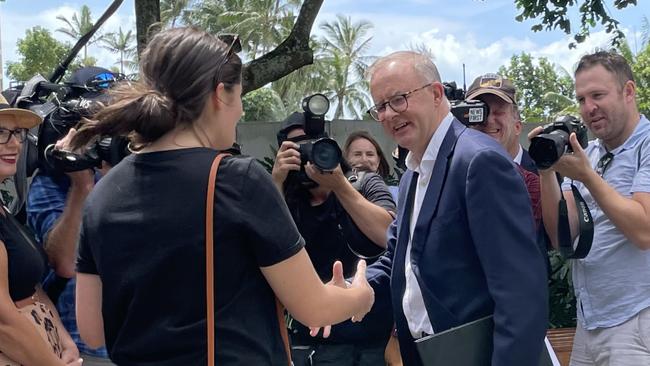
x: 147, y: 21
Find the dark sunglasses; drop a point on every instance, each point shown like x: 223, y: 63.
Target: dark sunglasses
x: 603, y: 163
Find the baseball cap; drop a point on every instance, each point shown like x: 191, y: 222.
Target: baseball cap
x: 295, y: 120
x: 24, y: 118
x: 492, y: 84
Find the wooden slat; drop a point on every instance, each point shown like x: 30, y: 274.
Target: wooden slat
x: 562, y: 341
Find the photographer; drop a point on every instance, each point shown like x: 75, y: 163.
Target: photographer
x: 54, y: 210
x: 613, y: 175
x: 334, y: 218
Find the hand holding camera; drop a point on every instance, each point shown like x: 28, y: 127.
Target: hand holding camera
x: 286, y: 160
x: 559, y: 147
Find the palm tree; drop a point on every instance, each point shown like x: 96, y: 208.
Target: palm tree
x: 78, y: 26
x: 171, y: 11
x: 345, y: 46
x: 122, y: 43
x: 261, y: 24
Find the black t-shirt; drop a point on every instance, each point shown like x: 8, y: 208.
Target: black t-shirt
x: 143, y: 233
x: 328, y: 231
x: 26, y: 259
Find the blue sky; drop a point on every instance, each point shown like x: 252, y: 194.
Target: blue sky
x: 483, y: 34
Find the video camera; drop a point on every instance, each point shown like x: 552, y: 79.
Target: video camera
x: 547, y: 148
x: 63, y: 106
x: 468, y: 112
x: 315, y: 146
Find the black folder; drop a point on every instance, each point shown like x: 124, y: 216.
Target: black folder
x: 467, y: 345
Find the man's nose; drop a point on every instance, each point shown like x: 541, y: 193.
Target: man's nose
x: 589, y: 106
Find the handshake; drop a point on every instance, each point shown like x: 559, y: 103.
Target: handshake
x: 365, y: 298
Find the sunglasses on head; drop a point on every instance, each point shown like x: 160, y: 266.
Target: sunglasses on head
x: 232, y: 40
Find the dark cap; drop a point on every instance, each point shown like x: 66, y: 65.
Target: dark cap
x: 295, y: 120
x: 492, y: 84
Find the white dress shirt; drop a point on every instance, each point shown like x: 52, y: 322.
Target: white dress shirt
x: 412, y: 302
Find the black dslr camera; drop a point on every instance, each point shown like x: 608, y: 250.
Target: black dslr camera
x: 320, y: 150
x: 468, y: 112
x: 315, y: 146
x: 547, y: 148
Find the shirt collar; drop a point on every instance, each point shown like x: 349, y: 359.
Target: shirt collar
x: 640, y: 132
x: 519, y: 155
x: 425, y: 166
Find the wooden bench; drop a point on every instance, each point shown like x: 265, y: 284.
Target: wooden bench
x: 562, y: 341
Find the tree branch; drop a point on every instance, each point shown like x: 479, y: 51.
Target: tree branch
x: 292, y: 54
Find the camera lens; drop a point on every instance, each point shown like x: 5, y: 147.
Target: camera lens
x: 326, y: 154
x: 547, y: 148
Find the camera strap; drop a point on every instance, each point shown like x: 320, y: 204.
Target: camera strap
x: 586, y: 227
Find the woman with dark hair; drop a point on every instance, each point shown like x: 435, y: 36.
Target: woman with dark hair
x: 31, y: 332
x: 363, y: 152
x: 141, y: 267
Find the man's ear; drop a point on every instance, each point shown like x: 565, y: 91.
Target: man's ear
x: 438, y: 92
x: 629, y: 91
x: 518, y: 127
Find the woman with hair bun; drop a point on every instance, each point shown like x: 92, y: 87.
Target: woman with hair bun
x: 141, y: 280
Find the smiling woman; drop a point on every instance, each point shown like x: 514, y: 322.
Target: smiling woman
x: 31, y: 332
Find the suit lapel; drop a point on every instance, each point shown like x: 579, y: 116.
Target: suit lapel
x: 434, y: 189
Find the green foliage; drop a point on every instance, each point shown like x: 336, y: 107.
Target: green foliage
x: 263, y: 104
x: 533, y: 79
x: 261, y: 24
x: 39, y: 52
x: 562, y: 301
x: 553, y: 14
x: 269, y: 161
x: 641, y: 69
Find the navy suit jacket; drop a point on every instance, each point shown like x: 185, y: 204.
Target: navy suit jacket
x: 473, y: 250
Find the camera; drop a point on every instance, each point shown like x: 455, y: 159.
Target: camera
x: 64, y: 106
x: 109, y: 149
x: 547, y: 148
x: 315, y: 146
x: 468, y: 112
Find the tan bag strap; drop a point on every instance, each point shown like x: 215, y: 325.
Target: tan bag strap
x: 209, y: 269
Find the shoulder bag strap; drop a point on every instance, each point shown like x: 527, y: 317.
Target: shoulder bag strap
x: 209, y: 255
x: 209, y: 269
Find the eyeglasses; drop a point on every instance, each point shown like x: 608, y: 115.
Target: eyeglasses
x: 398, y: 103
x: 5, y: 135
x: 603, y: 163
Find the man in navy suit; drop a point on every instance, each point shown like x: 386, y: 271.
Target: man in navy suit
x: 463, y: 244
